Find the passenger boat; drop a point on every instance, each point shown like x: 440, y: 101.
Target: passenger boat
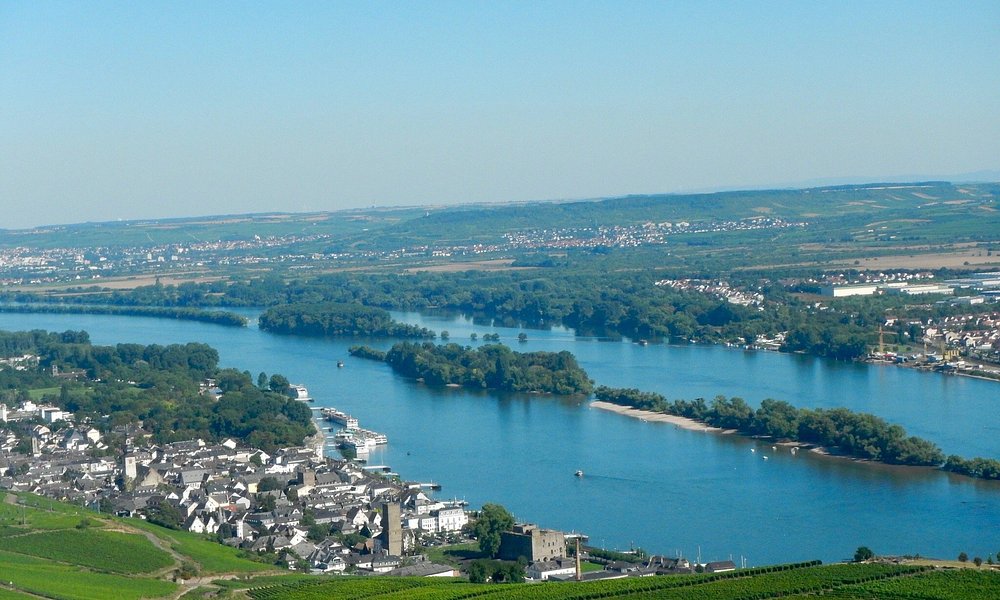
x: 341, y: 418
x: 299, y: 392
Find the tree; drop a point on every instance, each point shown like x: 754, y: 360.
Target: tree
x: 266, y: 502
x: 978, y: 560
x: 492, y: 521
x: 478, y: 572
x: 863, y: 553
x: 279, y: 384
x: 262, y: 380
x: 317, y: 532
x: 522, y: 337
x: 963, y: 557
x: 267, y: 484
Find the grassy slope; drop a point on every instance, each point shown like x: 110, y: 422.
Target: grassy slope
x: 55, y: 580
x: 43, y: 553
x: 211, y: 558
x: 105, y: 550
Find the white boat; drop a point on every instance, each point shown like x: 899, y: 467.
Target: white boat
x: 341, y: 418
x: 299, y: 392
x: 578, y: 474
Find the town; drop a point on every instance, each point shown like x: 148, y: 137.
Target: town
x: 309, y: 512
x: 28, y: 265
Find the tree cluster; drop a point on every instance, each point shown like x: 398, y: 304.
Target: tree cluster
x: 183, y: 313
x: 337, y: 319
x: 491, y: 521
x: 492, y: 367
x: 980, y: 468
x: 158, y: 385
x: 860, y: 435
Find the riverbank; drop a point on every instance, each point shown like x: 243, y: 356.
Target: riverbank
x: 658, y: 417
x: 793, y: 446
x: 316, y: 441
x: 693, y: 425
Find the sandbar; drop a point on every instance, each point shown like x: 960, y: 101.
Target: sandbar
x: 657, y: 417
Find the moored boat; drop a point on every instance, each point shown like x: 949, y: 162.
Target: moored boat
x: 299, y: 392
x: 341, y: 418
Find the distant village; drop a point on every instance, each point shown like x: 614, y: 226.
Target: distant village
x: 966, y: 343
x: 20, y: 265
x: 322, y: 515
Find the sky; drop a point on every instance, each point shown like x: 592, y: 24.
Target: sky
x: 130, y: 110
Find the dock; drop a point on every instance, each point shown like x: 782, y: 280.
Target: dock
x: 430, y: 486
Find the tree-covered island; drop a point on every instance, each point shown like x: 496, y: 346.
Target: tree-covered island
x: 491, y: 367
x: 337, y: 319
x: 842, y: 431
x: 217, y: 317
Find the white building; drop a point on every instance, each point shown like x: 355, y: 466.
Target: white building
x: 840, y: 291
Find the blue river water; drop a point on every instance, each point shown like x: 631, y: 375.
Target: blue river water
x: 654, y: 485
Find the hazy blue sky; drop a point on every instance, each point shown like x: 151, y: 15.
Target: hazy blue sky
x: 147, y: 109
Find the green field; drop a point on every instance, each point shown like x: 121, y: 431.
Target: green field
x: 951, y: 584
x: 37, y: 513
x: 95, y: 549
x: 52, y: 580
x: 210, y: 557
x: 38, y: 394
x: 45, y: 551
x: 807, y: 580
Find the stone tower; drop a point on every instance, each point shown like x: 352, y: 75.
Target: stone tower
x: 392, y: 529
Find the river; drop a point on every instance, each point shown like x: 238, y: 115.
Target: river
x: 646, y: 484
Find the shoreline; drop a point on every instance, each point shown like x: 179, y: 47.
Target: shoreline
x: 658, y: 417
x: 693, y: 425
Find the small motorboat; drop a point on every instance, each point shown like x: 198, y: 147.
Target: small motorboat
x: 578, y: 473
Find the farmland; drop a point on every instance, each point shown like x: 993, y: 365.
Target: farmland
x: 106, y: 550
x: 53, y: 580
x: 849, y: 581
x: 60, y: 551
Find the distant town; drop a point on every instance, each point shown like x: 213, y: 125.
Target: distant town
x: 23, y: 265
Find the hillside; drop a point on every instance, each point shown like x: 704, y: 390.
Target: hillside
x: 55, y: 550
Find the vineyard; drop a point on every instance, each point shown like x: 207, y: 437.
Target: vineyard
x: 798, y: 581
x: 211, y: 558
x: 54, y: 550
x: 57, y: 551
x: 53, y: 580
x: 105, y: 550
x: 952, y: 584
